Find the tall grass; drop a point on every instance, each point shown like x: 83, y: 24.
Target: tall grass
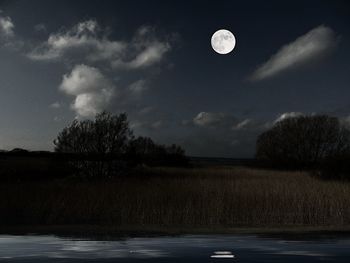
x: 223, y: 196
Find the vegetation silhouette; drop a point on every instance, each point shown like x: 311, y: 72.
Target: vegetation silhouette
x: 319, y: 142
x: 109, y: 139
x: 212, y: 194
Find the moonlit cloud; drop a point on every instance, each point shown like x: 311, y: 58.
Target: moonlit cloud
x: 138, y: 87
x: 89, y: 104
x: 146, y: 110
x: 96, y: 56
x: 40, y: 27
x: 92, y: 90
x: 157, y: 124
x: 152, y: 54
x: 87, y: 41
x: 244, y: 124
x: 304, y: 49
x: 212, y: 119
x: 287, y: 115
x: 225, y: 121
x: 6, y: 26
x: 55, y: 105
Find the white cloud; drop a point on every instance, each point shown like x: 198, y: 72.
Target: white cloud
x: 55, y: 105
x: 228, y: 122
x: 287, y: 115
x: 87, y: 41
x: 151, y: 54
x: 85, y: 38
x: 213, y: 119
x: 84, y: 79
x: 93, y: 90
x: 304, y: 49
x: 89, y: 104
x: 6, y: 27
x: 247, y: 123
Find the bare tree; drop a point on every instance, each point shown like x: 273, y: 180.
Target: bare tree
x: 107, y: 135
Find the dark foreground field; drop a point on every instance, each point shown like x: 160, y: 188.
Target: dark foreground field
x: 170, y: 198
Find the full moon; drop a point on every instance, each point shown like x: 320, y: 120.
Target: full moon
x: 223, y: 41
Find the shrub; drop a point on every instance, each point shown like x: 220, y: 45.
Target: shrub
x: 143, y: 150
x: 106, y: 139
x: 304, y: 142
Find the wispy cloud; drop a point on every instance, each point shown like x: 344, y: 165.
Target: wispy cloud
x: 288, y: 115
x: 304, y: 49
x: 138, y: 87
x: 55, y: 105
x: 40, y: 27
x: 84, y: 40
x: 88, y: 42
x: 6, y: 26
x: 213, y: 119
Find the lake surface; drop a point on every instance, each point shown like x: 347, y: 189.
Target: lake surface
x: 189, y: 248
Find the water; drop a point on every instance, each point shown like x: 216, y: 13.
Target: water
x: 189, y: 248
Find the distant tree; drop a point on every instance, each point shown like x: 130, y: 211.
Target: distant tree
x: 146, y: 151
x: 106, y: 135
x: 303, y: 141
x: 142, y: 146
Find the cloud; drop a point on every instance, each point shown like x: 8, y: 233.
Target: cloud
x: 244, y: 124
x: 212, y: 119
x: 96, y: 56
x: 40, y: 27
x: 157, y: 124
x: 146, y: 110
x: 153, y: 53
x: 302, y: 50
x: 223, y: 121
x: 55, y: 105
x: 138, y: 87
x: 84, y: 39
x: 92, y: 90
x: 58, y: 118
x: 6, y: 27
x: 89, y: 104
x: 147, y: 48
x: 287, y: 115
x: 87, y: 41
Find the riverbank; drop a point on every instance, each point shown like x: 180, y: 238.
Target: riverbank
x: 108, y: 232
x: 179, y: 200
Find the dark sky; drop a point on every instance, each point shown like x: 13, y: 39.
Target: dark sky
x: 61, y: 60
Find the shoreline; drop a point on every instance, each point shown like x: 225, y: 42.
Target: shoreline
x: 110, y: 232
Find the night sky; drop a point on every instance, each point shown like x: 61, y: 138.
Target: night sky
x: 61, y: 60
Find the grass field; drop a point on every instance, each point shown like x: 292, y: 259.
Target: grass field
x: 176, y: 197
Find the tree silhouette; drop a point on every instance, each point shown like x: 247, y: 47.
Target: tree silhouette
x: 106, y: 138
x: 304, y: 141
x: 106, y: 146
x: 146, y: 151
x: 107, y: 134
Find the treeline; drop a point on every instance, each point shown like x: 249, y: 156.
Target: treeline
x: 106, y: 147
x: 319, y: 143
x: 99, y: 148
